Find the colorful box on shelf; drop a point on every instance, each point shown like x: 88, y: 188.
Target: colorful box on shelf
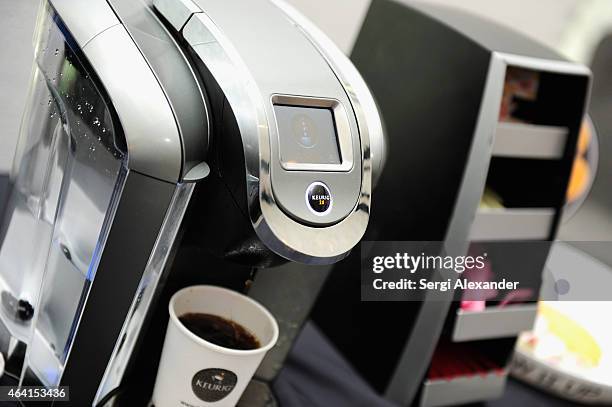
x: 460, y: 373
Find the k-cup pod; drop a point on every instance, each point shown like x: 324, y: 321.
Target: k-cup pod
x: 196, y: 372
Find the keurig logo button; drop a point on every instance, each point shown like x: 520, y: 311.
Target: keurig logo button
x: 213, y: 384
x: 319, y: 199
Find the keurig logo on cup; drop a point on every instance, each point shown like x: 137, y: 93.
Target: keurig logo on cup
x: 213, y: 384
x: 318, y: 198
x: 215, y: 340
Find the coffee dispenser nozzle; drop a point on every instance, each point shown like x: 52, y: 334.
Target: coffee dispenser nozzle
x: 300, y: 141
x: 168, y: 143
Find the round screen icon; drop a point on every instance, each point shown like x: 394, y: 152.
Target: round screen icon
x: 305, y: 131
x: 318, y: 198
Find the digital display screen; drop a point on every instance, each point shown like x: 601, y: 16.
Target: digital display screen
x: 307, y: 135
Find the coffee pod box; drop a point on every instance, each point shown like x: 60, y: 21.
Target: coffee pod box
x: 196, y: 373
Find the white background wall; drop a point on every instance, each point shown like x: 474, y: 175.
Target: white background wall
x: 16, y: 29
x: 541, y: 19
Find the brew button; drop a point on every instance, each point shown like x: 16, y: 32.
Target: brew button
x: 318, y: 198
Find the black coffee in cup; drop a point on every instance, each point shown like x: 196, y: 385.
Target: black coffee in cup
x: 220, y: 331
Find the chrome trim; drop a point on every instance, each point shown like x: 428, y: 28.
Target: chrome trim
x: 288, y: 238
x: 177, y: 12
x: 224, y: 62
x: 368, y: 115
x: 147, y: 289
x: 299, y: 69
x: 343, y: 132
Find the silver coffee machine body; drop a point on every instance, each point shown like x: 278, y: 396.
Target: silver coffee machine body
x: 170, y: 143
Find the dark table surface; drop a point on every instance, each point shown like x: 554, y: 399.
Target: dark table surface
x: 315, y: 375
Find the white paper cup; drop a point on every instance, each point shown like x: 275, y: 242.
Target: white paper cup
x: 194, y: 372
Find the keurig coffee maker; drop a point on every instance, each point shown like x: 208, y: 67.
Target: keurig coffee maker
x: 166, y: 144
x: 483, y: 124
